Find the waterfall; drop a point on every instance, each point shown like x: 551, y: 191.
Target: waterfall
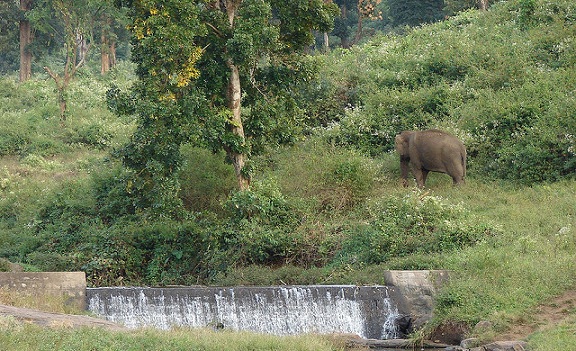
x: 283, y: 310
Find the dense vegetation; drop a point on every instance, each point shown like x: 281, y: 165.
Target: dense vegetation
x: 324, y: 204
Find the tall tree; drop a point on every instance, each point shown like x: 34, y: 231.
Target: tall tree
x: 112, y: 27
x: 164, y: 98
x: 202, y: 67
x: 251, y: 49
x: 367, y: 9
x: 25, y: 41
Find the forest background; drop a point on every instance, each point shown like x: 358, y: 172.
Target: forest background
x: 117, y: 146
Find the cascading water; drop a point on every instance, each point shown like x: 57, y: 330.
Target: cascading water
x: 285, y: 310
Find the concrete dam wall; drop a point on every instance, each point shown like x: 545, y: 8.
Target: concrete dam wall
x: 367, y: 311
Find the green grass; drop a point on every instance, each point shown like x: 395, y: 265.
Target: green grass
x: 15, y: 336
x: 524, y: 76
x: 562, y: 337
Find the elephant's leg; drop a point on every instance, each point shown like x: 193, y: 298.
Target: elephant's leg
x: 424, y: 177
x: 404, y: 168
x: 457, y: 174
x: 420, y: 176
x: 457, y: 180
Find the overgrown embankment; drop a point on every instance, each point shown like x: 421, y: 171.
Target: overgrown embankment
x: 328, y: 208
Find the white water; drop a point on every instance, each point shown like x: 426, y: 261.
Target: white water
x: 279, y: 310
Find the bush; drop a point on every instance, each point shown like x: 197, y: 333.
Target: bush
x: 206, y: 180
x: 330, y: 179
x: 260, y: 224
x: 416, y: 223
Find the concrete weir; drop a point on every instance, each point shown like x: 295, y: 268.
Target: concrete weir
x: 367, y: 311
x: 371, y: 312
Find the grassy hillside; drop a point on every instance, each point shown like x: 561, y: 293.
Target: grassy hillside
x: 330, y: 209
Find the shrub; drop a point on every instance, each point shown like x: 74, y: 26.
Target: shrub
x: 330, y: 179
x: 416, y: 223
x: 206, y: 180
x: 260, y: 225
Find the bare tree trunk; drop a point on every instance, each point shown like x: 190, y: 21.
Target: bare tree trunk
x: 62, y: 82
x: 25, y: 40
x: 234, y: 96
x: 483, y: 5
x: 82, y: 47
x: 326, y: 43
x: 112, y: 54
x: 104, y: 54
x: 359, y: 31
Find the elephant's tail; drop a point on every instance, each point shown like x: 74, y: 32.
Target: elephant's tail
x: 463, y: 156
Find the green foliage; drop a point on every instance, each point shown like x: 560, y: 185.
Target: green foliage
x: 413, y: 13
x: 166, y: 56
x: 206, y: 181
x: 510, y: 101
x: 560, y: 337
x: 8, y: 36
x: 261, y: 220
x: 323, y: 210
x: 415, y: 224
x: 332, y: 180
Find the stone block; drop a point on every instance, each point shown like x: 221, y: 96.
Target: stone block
x: 416, y: 290
x: 70, y: 285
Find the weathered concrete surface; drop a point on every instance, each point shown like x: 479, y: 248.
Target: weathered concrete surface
x: 70, y: 285
x: 416, y: 291
x: 56, y: 319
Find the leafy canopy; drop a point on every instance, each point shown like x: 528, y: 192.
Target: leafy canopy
x: 189, y: 54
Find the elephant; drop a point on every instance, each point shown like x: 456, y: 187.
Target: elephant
x: 430, y: 151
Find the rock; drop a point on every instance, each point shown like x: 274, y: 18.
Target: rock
x: 483, y: 327
x: 514, y: 345
x: 417, y: 289
x: 470, y: 342
x: 48, y: 319
x: 450, y: 333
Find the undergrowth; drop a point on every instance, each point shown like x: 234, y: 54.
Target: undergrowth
x: 328, y: 208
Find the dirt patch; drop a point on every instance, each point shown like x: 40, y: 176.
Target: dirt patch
x: 48, y: 319
x: 560, y: 310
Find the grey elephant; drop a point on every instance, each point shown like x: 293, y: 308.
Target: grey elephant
x: 430, y: 151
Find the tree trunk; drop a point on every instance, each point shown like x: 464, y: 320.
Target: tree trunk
x: 326, y: 43
x: 234, y: 97
x: 104, y: 54
x: 25, y: 40
x: 359, y: 31
x: 112, y: 49
x: 61, y: 85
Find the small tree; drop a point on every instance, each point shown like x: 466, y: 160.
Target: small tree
x: 76, y: 19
